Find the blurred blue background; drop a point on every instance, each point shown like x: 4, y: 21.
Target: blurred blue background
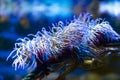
x: 21, y: 17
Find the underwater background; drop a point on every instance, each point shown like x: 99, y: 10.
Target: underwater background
x: 18, y: 18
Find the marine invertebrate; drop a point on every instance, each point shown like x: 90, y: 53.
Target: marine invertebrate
x: 83, y: 37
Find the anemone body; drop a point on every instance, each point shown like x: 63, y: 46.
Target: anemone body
x: 82, y: 33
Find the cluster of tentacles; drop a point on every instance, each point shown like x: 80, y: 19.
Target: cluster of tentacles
x: 82, y: 41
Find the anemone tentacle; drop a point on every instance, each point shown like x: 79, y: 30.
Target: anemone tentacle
x: 82, y: 31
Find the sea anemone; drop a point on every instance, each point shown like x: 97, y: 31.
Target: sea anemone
x: 82, y: 33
